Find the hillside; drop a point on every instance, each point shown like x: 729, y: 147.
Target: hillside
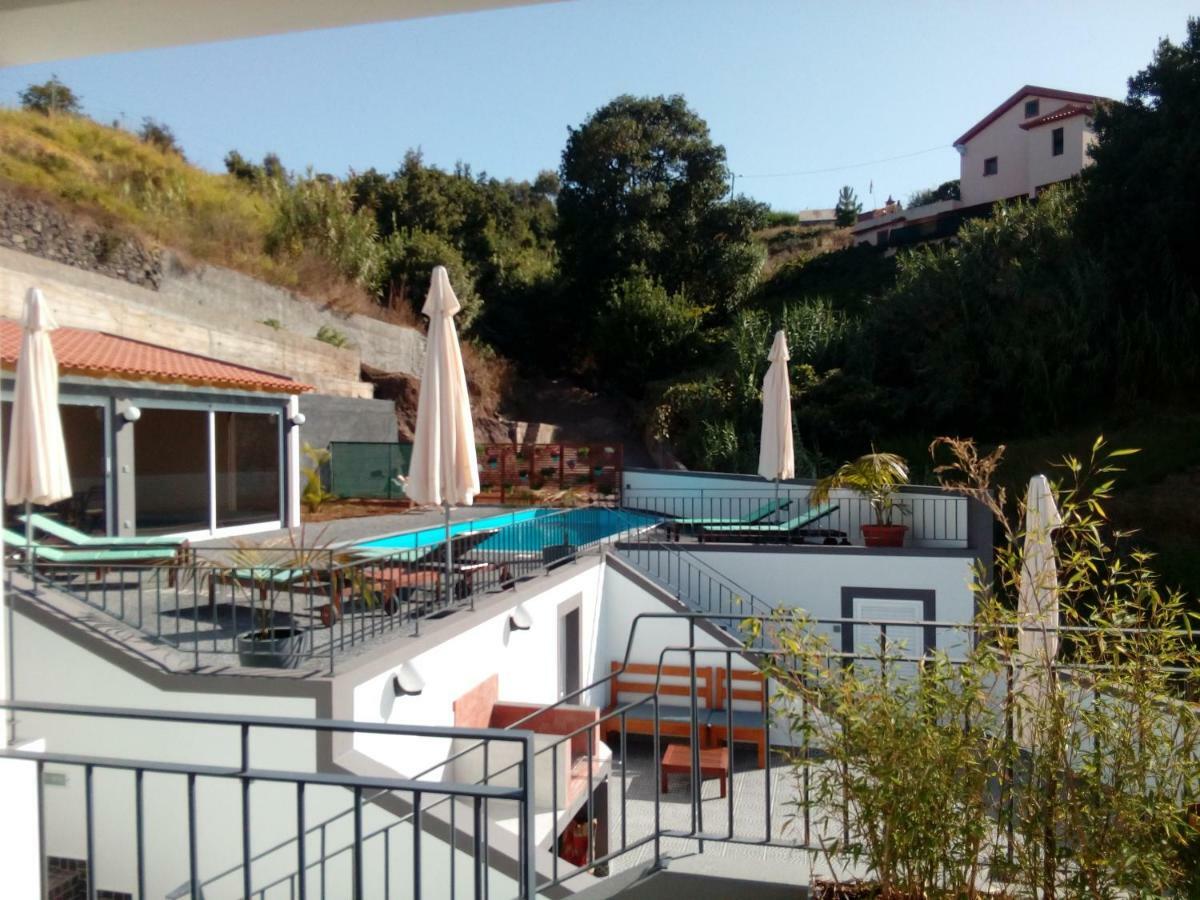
x: 133, y: 188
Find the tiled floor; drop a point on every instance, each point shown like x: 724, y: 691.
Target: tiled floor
x: 747, y: 797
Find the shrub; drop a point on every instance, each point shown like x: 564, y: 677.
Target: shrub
x: 407, y: 261
x: 159, y: 134
x: 316, y: 213
x: 898, y: 767
x: 777, y: 218
x: 51, y: 97
x: 327, y: 334
x: 919, y: 763
x: 643, y: 332
x: 314, y: 494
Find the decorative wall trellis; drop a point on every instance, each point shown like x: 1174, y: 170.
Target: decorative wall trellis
x: 507, y: 468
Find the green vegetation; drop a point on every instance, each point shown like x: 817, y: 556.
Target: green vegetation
x: 160, y: 135
x: 848, y: 207
x: 877, y: 476
x: 314, y: 495
x: 915, y: 769
x: 947, y: 190
x: 327, y: 334
x: 631, y: 269
x: 50, y: 97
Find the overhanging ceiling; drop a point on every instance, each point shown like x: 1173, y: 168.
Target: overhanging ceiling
x: 34, y: 31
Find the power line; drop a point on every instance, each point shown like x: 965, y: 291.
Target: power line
x: 860, y: 165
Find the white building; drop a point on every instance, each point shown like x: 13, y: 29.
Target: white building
x: 1037, y: 137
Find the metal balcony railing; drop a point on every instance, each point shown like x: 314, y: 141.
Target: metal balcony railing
x: 114, y: 783
x: 295, y: 606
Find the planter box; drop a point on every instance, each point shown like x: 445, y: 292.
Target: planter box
x: 884, y: 535
x: 275, y: 648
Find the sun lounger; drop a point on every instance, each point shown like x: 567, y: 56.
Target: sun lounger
x: 755, y: 516
x: 76, y: 538
x: 95, y: 556
x: 797, y: 526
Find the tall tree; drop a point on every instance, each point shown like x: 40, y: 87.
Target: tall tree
x: 51, y: 97
x: 1139, y: 212
x: 642, y: 189
x: 847, y: 209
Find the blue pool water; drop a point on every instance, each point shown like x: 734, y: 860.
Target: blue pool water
x: 528, y: 529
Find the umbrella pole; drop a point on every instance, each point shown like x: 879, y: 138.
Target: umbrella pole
x: 449, y: 552
x: 29, y: 542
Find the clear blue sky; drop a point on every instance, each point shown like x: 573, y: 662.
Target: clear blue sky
x: 786, y: 86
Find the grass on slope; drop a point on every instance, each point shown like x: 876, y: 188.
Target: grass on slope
x: 131, y: 186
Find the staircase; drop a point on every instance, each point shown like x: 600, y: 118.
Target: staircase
x: 695, y: 584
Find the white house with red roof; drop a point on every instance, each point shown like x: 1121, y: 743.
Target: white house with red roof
x: 1037, y: 137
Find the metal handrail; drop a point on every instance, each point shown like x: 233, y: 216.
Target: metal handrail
x: 479, y: 794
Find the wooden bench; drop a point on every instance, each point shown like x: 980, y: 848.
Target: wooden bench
x: 750, y: 721
x: 635, y: 681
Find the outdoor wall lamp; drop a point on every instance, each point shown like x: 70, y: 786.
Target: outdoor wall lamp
x: 131, y: 414
x: 297, y: 420
x: 519, y: 619
x: 407, y: 682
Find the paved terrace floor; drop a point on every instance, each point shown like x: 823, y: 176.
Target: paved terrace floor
x: 361, y: 528
x: 748, y: 795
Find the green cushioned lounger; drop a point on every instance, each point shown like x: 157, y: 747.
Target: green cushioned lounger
x: 794, y: 524
x: 91, y: 556
x: 76, y: 538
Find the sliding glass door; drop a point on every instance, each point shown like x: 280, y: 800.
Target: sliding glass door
x: 200, y: 470
x: 171, y: 470
x: 247, y: 467
x: 85, y: 434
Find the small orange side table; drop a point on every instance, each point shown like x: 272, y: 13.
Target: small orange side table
x: 714, y: 763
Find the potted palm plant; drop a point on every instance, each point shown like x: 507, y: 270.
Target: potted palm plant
x: 876, y: 476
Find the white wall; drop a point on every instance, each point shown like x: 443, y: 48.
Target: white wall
x: 1044, y: 167
x: 1018, y: 154
x: 813, y: 581
x: 19, y: 828
x: 50, y: 668
x: 623, y: 600
x: 527, y: 662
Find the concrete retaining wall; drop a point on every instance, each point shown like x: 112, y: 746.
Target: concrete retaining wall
x: 218, y: 314
x: 329, y: 419
x: 209, y: 291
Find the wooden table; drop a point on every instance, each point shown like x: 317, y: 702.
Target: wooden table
x: 714, y: 763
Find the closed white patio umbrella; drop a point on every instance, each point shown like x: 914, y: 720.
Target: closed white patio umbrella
x: 1037, y: 599
x: 444, y: 469
x: 37, y: 457
x: 776, y: 454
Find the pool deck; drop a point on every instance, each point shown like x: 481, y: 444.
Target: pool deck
x: 362, y: 528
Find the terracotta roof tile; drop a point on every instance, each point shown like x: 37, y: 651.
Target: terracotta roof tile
x: 1063, y: 112
x: 99, y: 355
x: 1027, y: 90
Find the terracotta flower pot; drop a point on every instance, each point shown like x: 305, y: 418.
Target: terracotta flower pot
x: 884, y: 535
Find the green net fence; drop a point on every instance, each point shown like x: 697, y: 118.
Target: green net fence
x: 368, y: 469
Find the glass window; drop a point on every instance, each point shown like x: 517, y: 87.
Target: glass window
x: 1031, y: 108
x: 84, y: 437
x: 247, y: 467
x: 171, y: 470
x: 1056, y: 142
x: 991, y: 165
x: 83, y: 432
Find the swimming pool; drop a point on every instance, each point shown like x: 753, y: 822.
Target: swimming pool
x: 528, y: 530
